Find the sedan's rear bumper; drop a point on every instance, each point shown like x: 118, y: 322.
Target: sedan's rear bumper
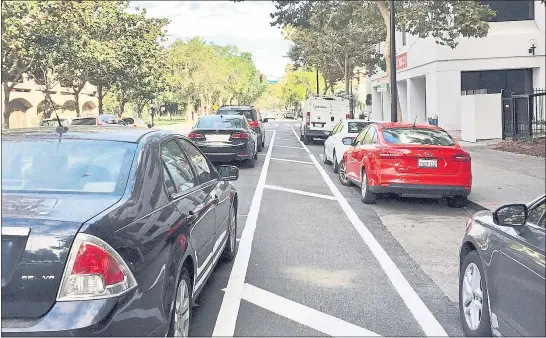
x: 227, y: 153
x: 421, y: 190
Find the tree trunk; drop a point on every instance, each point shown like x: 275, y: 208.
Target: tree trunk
x: 385, y: 14
x: 346, y: 74
x: 100, y: 97
x: 77, y: 90
x: 7, y: 112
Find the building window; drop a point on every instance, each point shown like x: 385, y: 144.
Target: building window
x: 511, y: 10
x: 493, y: 81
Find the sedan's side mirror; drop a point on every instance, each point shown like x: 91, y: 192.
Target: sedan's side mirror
x: 228, y: 173
x: 511, y: 215
x: 348, y: 141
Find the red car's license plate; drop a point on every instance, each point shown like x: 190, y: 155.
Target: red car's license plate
x: 427, y: 163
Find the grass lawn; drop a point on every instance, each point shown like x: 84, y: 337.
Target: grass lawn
x: 168, y: 122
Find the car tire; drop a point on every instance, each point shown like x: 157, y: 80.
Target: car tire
x: 471, y: 264
x: 306, y: 140
x: 366, y: 196
x: 251, y: 163
x: 263, y: 141
x: 457, y: 201
x: 325, y: 158
x: 335, y: 163
x: 231, y: 244
x: 265, y: 120
x: 301, y: 137
x: 342, y: 174
x: 260, y: 146
x: 182, y: 307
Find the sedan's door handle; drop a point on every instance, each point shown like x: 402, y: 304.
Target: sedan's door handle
x: 192, y: 216
x: 216, y: 200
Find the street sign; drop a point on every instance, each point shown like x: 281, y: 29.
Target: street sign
x: 382, y: 88
x: 273, y: 81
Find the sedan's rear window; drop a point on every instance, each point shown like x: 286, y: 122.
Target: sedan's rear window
x: 66, y: 166
x: 424, y: 136
x: 220, y: 122
x: 245, y: 112
x: 355, y: 127
x: 88, y: 121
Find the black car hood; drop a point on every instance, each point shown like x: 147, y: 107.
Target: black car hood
x: 36, y: 253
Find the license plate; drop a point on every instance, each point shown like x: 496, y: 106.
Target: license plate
x: 427, y: 163
x: 217, y: 138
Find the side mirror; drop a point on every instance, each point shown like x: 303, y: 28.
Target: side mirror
x: 353, y: 143
x: 228, y: 173
x: 348, y: 141
x: 511, y: 215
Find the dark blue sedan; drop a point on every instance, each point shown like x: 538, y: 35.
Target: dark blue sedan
x: 109, y: 231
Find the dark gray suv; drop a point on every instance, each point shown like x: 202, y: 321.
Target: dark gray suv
x: 501, y: 276
x: 253, y: 116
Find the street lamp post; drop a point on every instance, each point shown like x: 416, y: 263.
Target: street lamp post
x: 394, y: 89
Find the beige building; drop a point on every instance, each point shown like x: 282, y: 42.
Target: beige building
x: 27, y: 103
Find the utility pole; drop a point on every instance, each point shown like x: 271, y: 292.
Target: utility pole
x: 394, y: 89
x: 318, y: 84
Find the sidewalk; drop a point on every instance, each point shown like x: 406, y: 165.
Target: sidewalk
x: 501, y: 178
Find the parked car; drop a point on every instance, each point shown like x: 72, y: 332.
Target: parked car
x: 501, y: 275
x: 289, y: 115
x: 340, y: 139
x: 226, y: 138
x: 407, y: 159
x: 109, y: 231
x: 53, y: 122
x: 270, y: 116
x: 97, y: 120
x: 254, y: 119
x: 136, y: 122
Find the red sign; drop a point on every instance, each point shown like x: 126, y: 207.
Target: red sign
x: 402, y: 61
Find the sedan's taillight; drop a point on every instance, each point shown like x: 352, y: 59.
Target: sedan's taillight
x: 462, y: 157
x: 94, y: 270
x: 253, y: 124
x: 196, y: 136
x: 389, y: 154
x: 243, y: 136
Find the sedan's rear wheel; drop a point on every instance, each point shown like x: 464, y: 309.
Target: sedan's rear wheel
x: 335, y: 163
x: 473, y: 298
x: 343, y: 173
x: 366, y: 195
x: 180, y: 323
x: 260, y: 146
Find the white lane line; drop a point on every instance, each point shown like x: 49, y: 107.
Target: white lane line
x: 301, y: 192
x: 229, y: 310
x: 287, y: 160
x: 420, y: 311
x: 290, y: 147
x: 302, y: 314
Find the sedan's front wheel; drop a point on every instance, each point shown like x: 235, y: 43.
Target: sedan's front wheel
x: 231, y: 244
x: 325, y: 159
x: 180, y: 322
x: 473, y: 299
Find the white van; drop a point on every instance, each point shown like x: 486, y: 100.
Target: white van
x: 320, y: 115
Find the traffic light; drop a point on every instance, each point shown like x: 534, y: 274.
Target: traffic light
x: 261, y: 78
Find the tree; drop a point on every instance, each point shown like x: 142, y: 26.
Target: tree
x: 445, y: 20
x: 18, y: 47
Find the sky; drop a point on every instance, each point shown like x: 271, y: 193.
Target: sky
x: 243, y: 24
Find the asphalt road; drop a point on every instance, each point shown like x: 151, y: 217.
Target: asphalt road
x: 313, y: 260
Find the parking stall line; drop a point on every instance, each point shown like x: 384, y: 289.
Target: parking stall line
x: 287, y: 160
x: 300, y: 192
x: 229, y: 310
x: 302, y: 314
x: 417, y: 307
x: 290, y: 147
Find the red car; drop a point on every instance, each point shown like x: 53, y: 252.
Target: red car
x: 407, y: 159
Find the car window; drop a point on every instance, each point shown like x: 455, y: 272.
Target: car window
x: 220, y: 122
x: 361, y: 136
x: 536, y: 215
x: 110, y: 119
x: 354, y: 127
x: 88, y: 121
x: 67, y: 166
x: 129, y: 120
x: 199, y: 161
x: 178, y: 167
x: 245, y: 112
x: 417, y: 135
x: 370, y: 135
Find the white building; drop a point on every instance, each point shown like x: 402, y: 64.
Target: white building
x: 462, y: 86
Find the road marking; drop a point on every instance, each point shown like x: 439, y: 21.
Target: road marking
x: 287, y: 160
x: 229, y: 310
x: 290, y: 147
x: 301, y: 192
x: 420, y: 311
x: 285, y: 139
x: 302, y: 314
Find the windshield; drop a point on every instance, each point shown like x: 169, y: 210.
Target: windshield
x: 220, y: 122
x: 423, y: 136
x: 355, y: 127
x: 75, y: 166
x: 88, y: 121
x: 245, y: 112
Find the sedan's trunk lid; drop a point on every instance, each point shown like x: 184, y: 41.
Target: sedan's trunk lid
x: 428, y: 159
x: 37, y: 233
x: 219, y: 136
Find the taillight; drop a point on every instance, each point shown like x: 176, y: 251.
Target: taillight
x: 308, y: 118
x: 94, y: 270
x: 196, y: 136
x: 253, y: 124
x: 347, y: 116
x: 463, y: 157
x: 389, y: 154
x: 239, y: 136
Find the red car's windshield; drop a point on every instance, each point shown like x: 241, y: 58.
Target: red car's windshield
x: 410, y: 135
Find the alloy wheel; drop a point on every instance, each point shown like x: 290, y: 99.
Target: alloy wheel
x: 182, y: 310
x: 472, y: 296
x: 364, y: 185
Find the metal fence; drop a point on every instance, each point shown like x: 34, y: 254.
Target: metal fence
x: 537, y: 110
x: 524, y: 115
